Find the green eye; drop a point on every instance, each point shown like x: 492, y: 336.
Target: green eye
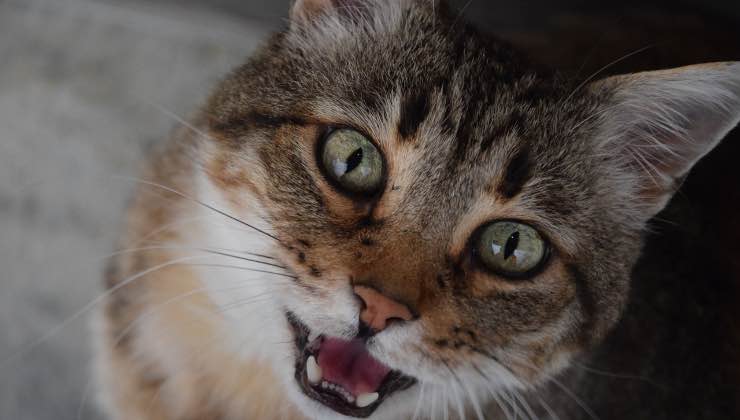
x: 511, y: 249
x: 352, y: 161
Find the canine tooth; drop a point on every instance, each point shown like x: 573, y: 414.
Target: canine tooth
x: 363, y: 400
x: 313, y: 370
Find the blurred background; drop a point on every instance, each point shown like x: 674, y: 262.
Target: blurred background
x: 83, y: 85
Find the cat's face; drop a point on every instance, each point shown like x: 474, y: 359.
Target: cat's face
x: 454, y: 221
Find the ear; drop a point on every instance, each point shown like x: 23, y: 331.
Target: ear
x: 306, y: 10
x: 659, y: 124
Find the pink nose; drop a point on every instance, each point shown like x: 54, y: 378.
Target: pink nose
x: 379, y: 309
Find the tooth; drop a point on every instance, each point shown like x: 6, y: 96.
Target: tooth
x: 364, y: 400
x: 313, y: 371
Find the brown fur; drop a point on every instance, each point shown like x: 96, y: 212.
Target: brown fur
x: 470, y: 133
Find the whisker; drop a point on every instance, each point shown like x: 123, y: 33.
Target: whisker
x: 616, y: 375
x: 52, y: 332
x: 256, y: 270
x: 523, y: 401
x: 593, y: 49
x: 177, y: 118
x: 575, y: 398
x: 117, y: 340
x: 512, y: 403
x: 208, y: 206
x: 460, y: 13
x: 493, y: 393
x: 562, y: 387
x: 164, y: 227
x: 457, y: 379
x: 183, y: 221
x: 206, y: 250
x: 550, y: 412
x: 418, y: 402
x: 225, y: 254
x: 474, y: 400
x: 597, y: 72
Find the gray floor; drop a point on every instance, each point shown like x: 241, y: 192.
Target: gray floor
x: 78, y: 80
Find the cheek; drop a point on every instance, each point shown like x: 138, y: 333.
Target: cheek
x: 413, y: 350
x: 553, y: 282
x: 322, y: 295
x: 494, y: 313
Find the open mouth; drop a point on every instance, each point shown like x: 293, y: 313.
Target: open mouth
x: 341, y: 374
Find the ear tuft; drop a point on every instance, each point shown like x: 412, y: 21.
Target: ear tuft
x: 306, y: 10
x: 660, y: 123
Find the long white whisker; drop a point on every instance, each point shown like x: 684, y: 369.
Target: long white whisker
x: 141, y: 318
x: 527, y: 407
x: 474, y: 400
x: 564, y: 388
x: 167, y: 226
x: 205, y: 250
x: 615, y: 375
x: 512, y: 403
x: 550, y: 412
x: 256, y: 270
x: 597, y: 72
x: 90, y: 305
x: 458, y: 401
x: 446, y: 406
x: 575, y: 398
x: 178, y: 248
x: 418, y: 402
x: 179, y: 119
x: 208, y: 206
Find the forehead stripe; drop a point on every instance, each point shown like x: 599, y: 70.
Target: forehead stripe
x: 414, y: 110
x: 517, y: 173
x: 514, y: 121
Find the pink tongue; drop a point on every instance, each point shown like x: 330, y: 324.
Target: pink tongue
x: 348, y: 364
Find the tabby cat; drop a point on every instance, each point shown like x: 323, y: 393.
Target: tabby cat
x: 386, y: 214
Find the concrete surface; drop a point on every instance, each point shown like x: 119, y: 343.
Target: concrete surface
x: 77, y: 83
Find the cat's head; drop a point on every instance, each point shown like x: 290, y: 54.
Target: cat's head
x: 457, y: 223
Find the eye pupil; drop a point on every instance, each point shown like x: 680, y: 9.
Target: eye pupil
x: 511, y: 249
x: 354, y: 160
x: 511, y: 245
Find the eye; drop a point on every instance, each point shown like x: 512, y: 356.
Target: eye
x: 351, y: 160
x: 511, y: 249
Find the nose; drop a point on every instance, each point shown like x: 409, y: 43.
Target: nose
x: 379, y: 310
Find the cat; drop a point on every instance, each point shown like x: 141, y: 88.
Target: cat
x: 387, y: 214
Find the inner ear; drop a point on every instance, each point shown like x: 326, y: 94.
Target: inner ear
x: 658, y: 124
x: 309, y: 9
x: 304, y: 11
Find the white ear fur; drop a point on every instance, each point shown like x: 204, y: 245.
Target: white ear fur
x: 303, y: 10
x: 660, y: 123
